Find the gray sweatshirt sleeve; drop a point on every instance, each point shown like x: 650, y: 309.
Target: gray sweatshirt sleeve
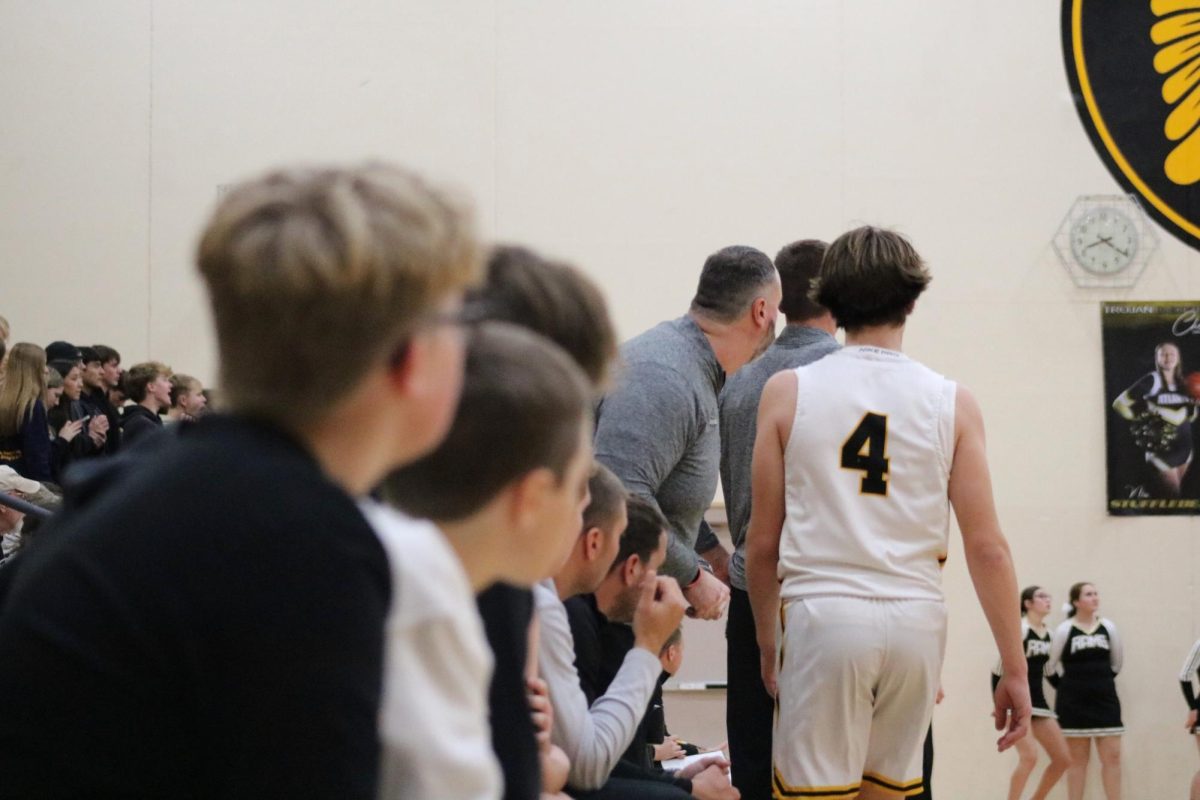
x: 593, y: 738
x: 645, y: 427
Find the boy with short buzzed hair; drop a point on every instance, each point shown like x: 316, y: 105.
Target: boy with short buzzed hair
x: 510, y: 517
x: 215, y: 603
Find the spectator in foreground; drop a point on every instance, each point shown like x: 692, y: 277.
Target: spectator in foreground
x: 226, y: 637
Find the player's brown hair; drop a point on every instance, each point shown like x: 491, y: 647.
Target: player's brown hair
x: 870, y: 276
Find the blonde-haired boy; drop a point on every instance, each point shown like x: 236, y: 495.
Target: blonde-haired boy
x: 206, y: 620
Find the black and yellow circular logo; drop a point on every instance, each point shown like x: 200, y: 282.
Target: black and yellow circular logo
x: 1134, y: 67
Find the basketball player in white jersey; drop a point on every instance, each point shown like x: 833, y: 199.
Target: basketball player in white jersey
x: 857, y: 460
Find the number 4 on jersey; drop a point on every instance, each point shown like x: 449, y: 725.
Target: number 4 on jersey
x: 865, y: 451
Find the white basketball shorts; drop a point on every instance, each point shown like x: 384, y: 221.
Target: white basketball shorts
x: 857, y: 682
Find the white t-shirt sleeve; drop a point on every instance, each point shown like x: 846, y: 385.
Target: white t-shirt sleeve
x: 433, y: 718
x: 593, y: 738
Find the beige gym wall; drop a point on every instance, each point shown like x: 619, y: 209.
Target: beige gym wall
x: 634, y: 138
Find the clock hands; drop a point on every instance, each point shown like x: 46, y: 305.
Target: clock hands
x: 1108, y: 241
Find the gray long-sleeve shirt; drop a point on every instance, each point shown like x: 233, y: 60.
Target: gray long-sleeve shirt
x: 593, y: 738
x: 796, y: 346
x: 658, y: 431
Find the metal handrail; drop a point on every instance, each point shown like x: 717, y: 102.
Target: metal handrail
x: 23, y: 506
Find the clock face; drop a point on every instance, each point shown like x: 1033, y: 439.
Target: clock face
x: 1104, y: 241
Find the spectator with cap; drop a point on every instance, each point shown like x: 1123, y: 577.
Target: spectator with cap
x: 149, y: 386
x: 24, y: 443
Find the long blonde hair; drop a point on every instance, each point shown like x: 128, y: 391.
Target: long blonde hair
x: 24, y: 384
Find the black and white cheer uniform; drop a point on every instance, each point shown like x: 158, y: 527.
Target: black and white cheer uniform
x: 1037, y: 652
x: 1083, y: 665
x: 1189, y: 673
x: 1153, y: 388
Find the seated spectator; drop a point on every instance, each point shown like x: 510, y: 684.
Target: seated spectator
x: 662, y: 746
x: 116, y: 394
x: 205, y: 618
x: 564, y: 305
x: 69, y: 422
x: 187, y: 399
x: 603, y: 639
x: 149, y: 387
x: 110, y: 362
x: 16, y: 528
x: 24, y: 443
x: 53, y: 393
x: 95, y: 399
x: 11, y: 519
x: 594, y: 735
x: 509, y: 518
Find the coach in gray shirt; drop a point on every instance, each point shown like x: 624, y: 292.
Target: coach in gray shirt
x: 807, y: 337
x: 658, y: 429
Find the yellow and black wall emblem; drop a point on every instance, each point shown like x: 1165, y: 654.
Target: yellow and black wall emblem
x: 1134, y: 67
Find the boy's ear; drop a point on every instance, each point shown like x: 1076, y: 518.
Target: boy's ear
x: 527, y: 496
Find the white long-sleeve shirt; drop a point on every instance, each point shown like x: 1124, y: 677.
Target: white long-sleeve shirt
x: 593, y: 738
x: 433, y: 719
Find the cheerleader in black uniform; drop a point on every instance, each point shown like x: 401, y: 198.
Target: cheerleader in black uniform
x: 1191, y: 671
x: 1035, y: 607
x: 1162, y: 410
x: 1085, y: 656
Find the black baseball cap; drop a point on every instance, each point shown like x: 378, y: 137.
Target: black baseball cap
x: 63, y: 351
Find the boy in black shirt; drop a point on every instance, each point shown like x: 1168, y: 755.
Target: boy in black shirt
x: 205, y: 617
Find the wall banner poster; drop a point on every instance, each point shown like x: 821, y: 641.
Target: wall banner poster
x: 1151, y: 385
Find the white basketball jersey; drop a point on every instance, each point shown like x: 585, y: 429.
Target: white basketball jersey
x: 867, y: 468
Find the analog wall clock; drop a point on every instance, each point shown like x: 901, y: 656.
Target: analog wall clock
x: 1105, y: 241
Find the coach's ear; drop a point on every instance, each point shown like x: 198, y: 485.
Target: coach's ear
x: 629, y: 570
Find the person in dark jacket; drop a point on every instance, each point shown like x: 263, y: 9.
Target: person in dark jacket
x: 95, y: 397
x: 149, y: 387
x: 73, y: 438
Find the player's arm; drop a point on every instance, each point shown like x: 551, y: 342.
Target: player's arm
x: 990, y: 564
x: 775, y: 412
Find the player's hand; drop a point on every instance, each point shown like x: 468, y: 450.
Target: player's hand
x: 1191, y: 721
x: 708, y: 596
x: 712, y: 783
x: 659, y: 612
x: 1013, y: 710
x: 766, y: 665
